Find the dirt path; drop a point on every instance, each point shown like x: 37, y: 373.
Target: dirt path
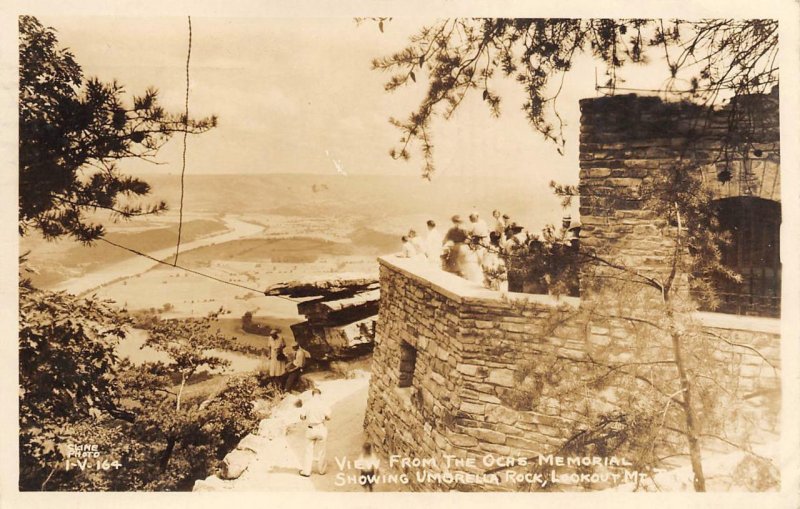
x: 279, y: 455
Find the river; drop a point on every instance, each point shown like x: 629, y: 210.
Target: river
x: 237, y: 229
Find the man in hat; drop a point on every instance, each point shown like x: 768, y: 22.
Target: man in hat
x: 570, y: 231
x: 297, y: 362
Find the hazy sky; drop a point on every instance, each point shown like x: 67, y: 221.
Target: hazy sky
x: 287, y: 90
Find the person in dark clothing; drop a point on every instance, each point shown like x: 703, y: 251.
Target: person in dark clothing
x: 454, y: 246
x: 297, y: 361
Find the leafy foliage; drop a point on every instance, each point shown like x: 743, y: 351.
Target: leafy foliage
x: 546, y: 263
x: 67, y: 372
x: 74, y: 390
x: 457, y: 56
x: 626, y: 392
x: 168, y: 448
x: 71, y: 133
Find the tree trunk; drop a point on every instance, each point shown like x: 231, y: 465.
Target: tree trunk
x: 180, y: 393
x: 167, y: 454
x: 688, y: 410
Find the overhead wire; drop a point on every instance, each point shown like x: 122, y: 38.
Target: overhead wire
x: 192, y: 271
x: 185, y: 134
x: 174, y: 263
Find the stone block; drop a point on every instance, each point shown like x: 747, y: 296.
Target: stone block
x: 522, y: 443
x: 483, y: 388
x: 462, y: 440
x: 212, y: 483
x: 504, y: 377
x: 512, y: 327
x: 487, y: 398
x: 472, y: 408
x: 499, y: 413
x: 509, y: 431
x: 438, y: 379
x: 500, y: 450
x: 468, y: 369
x: 487, y: 435
x: 251, y: 442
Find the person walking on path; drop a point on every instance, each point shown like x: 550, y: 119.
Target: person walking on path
x: 315, y: 414
x: 298, y: 357
x: 367, y: 465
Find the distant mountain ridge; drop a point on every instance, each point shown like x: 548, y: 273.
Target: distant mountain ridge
x: 372, y: 198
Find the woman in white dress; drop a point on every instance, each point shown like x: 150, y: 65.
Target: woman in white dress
x: 277, y: 357
x: 460, y: 258
x: 470, y: 263
x: 416, y: 242
x: 433, y: 245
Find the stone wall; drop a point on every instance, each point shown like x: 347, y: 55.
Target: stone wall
x: 469, y: 341
x: 628, y: 141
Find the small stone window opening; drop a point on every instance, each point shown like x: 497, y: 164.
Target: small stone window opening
x: 408, y: 362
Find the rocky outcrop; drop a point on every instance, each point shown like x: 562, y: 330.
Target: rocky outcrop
x: 341, y: 317
x: 236, y: 462
x: 327, y: 288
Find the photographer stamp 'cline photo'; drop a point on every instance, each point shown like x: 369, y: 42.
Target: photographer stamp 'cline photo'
x: 399, y: 254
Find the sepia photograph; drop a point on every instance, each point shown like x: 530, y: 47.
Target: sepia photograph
x: 401, y: 254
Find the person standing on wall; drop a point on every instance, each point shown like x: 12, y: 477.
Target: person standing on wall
x: 416, y: 242
x: 298, y: 357
x: 500, y: 222
x: 408, y: 248
x: 315, y: 414
x: 479, y: 235
x: 453, y: 246
x: 433, y: 245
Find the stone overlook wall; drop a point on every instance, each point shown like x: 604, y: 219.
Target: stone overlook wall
x: 468, y: 341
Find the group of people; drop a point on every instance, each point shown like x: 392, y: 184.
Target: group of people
x: 474, y: 249
x: 286, y: 362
